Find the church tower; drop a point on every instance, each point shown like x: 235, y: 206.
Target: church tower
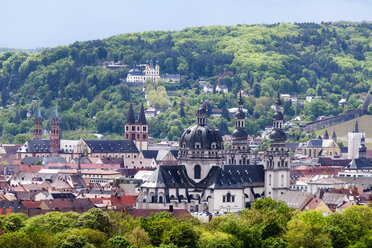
x: 55, y: 135
x: 138, y: 132
x: 276, y: 158
x: 38, y: 124
x: 240, y: 152
x: 354, y: 142
x: 142, y: 136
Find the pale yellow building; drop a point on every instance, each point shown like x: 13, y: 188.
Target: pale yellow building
x: 316, y: 148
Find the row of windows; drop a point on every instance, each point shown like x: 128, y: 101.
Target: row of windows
x: 144, y: 128
x: 144, y: 136
x: 228, y: 198
x: 241, y: 161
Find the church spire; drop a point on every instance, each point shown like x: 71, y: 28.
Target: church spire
x: 38, y: 123
x: 55, y: 112
x: 130, y: 115
x: 356, y: 128
x: 326, y: 136
x: 142, y: 117
x: 38, y: 112
x: 334, y: 136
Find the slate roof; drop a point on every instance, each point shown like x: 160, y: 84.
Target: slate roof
x: 170, y: 76
x: 169, y: 177
x: 63, y: 196
x: 334, y: 198
x: 112, y: 146
x: 315, y: 143
x: 31, y: 160
x: 38, y: 146
x: 12, y: 204
x: 218, y: 179
x: 175, y: 153
x: 360, y: 164
x: 150, y: 153
x: 246, y: 174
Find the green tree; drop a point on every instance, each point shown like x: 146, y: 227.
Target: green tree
x: 52, y: 222
x: 138, y: 237
x: 12, y: 222
x: 307, y: 230
x: 119, y: 242
x: 96, y: 219
x: 181, y: 235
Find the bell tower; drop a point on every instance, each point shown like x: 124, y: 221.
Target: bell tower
x: 55, y: 135
x: 38, y: 124
x: 137, y: 131
x: 240, y: 152
x: 276, y: 158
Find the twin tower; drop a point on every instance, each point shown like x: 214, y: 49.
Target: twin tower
x: 137, y: 131
x: 55, y: 134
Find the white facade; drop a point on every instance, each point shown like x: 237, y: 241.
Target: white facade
x: 353, y: 144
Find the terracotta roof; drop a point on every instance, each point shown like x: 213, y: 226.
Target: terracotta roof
x: 31, y: 204
x: 128, y: 200
x: 58, y: 204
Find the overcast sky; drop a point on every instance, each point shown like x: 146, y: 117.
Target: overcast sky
x: 49, y: 23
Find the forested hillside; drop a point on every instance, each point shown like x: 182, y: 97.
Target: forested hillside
x: 330, y: 60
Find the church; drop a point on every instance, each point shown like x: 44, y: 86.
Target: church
x: 135, y: 141
x: 137, y: 75
x: 210, y: 178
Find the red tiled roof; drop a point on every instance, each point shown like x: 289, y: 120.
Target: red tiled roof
x: 31, y: 204
x: 128, y: 200
x: 58, y: 204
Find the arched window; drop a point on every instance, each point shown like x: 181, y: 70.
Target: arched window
x: 161, y: 199
x: 197, y: 171
x: 282, y: 180
x: 228, y: 197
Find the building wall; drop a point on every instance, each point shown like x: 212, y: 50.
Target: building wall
x: 232, y: 206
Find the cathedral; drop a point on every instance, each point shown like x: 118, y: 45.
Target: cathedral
x: 209, y: 177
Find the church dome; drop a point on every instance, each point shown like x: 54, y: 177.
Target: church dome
x: 239, y: 134
x: 277, y: 135
x: 201, y: 137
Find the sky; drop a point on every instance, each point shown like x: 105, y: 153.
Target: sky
x: 33, y: 24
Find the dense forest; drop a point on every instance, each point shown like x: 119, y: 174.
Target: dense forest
x: 267, y: 224
x: 328, y: 60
